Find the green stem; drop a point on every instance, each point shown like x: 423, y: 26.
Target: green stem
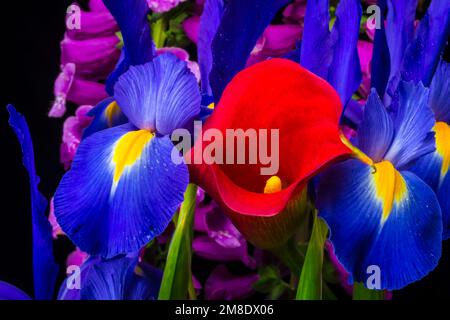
x: 159, y: 32
x: 291, y: 256
x: 311, y: 282
x: 362, y: 293
x: 177, y: 277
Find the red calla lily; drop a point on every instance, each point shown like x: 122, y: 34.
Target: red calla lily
x: 274, y: 94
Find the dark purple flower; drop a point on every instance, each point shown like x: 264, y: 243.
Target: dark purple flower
x: 222, y: 285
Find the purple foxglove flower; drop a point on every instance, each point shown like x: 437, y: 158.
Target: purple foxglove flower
x: 95, y: 23
x: 97, y: 5
x: 208, y: 248
x: 222, y: 285
x: 276, y: 41
x: 94, y: 58
x: 72, y: 133
x: 56, y: 228
x: 76, y: 258
x: 86, y: 92
x: 295, y: 12
x: 365, y: 49
x: 223, y: 241
x: 163, y: 5
x: 80, y: 91
x: 191, y: 26
x: 62, y: 86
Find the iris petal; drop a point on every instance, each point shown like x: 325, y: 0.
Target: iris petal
x: 209, y: 22
x: 405, y: 244
x: 345, y: 69
x: 160, y: 95
x: 131, y: 16
x: 376, y: 131
x: 108, y: 216
x: 45, y: 269
x: 316, y: 47
x: 380, y: 56
x: 413, y: 122
x: 433, y: 169
x: 236, y: 38
x: 399, y: 30
x: 440, y: 93
x: 444, y: 200
x: 106, y: 114
x: 113, y: 279
x: 422, y: 55
x: 10, y: 292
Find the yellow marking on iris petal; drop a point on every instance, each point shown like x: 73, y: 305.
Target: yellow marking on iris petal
x: 358, y: 154
x: 443, y: 145
x: 111, y: 111
x: 273, y: 184
x: 211, y: 106
x: 128, y: 150
x: 389, y: 185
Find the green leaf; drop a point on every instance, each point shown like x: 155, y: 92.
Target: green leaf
x: 310, y: 283
x: 362, y: 293
x: 177, y: 276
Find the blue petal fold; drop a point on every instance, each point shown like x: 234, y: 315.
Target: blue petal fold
x: 316, y: 48
x: 413, y: 122
x: 108, y: 209
x: 405, y: 246
x: 345, y: 69
x: 380, y: 57
x: 236, y: 37
x: 428, y: 168
x: 105, y: 115
x: 160, y: 95
x: 423, y: 54
x: 114, y: 279
x: 131, y: 16
x: 209, y: 22
x: 376, y: 131
x: 45, y: 269
x: 10, y: 292
x: 444, y: 200
x: 439, y: 100
x: 399, y: 31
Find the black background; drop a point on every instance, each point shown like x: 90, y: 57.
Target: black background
x: 30, y: 36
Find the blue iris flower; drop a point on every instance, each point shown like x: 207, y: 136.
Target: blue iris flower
x: 433, y: 168
x: 120, y: 278
x: 379, y: 213
x: 379, y: 210
x: 123, y: 187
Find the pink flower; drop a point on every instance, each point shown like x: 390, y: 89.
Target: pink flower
x: 276, y: 41
x: 72, y: 132
x: 76, y: 258
x: 191, y: 26
x: 163, y: 5
x: 56, y: 228
x: 365, y: 49
x: 223, y: 285
x: 88, y: 55
x: 295, y: 12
